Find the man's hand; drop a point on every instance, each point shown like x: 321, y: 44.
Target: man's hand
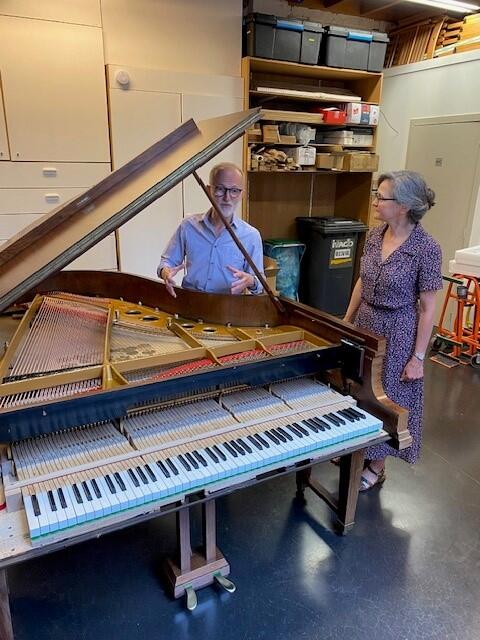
x: 242, y: 281
x: 167, y: 274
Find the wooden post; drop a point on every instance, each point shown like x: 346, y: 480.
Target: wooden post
x: 351, y: 468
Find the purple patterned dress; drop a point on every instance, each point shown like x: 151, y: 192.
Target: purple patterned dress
x: 389, y: 308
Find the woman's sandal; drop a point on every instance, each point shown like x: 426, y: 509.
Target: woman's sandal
x: 366, y: 484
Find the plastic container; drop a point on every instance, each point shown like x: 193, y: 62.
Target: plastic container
x: 354, y: 49
x: 328, y: 264
x: 288, y: 254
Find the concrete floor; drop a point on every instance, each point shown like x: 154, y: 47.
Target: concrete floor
x: 409, y: 569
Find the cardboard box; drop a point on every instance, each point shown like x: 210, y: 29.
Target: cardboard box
x: 284, y: 139
x: 360, y: 162
x: 324, y: 161
x: 304, y: 156
x: 270, y: 133
x: 374, y: 114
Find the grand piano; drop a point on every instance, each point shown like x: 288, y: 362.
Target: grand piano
x: 119, y: 403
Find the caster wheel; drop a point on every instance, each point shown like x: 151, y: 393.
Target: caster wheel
x: 475, y: 361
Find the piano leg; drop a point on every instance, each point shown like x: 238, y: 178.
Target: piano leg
x: 196, y: 569
x: 344, y: 507
x: 6, y: 629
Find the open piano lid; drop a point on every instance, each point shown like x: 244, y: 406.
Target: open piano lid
x: 60, y: 236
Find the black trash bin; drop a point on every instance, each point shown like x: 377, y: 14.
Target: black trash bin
x: 327, y: 266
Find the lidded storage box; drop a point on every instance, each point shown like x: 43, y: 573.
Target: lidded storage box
x: 355, y: 49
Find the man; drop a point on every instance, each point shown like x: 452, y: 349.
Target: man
x: 202, y: 245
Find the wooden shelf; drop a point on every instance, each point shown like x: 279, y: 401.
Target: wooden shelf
x: 308, y: 71
x: 341, y: 147
x: 305, y: 117
x: 274, y: 96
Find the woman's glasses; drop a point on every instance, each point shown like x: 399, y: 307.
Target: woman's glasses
x: 380, y: 198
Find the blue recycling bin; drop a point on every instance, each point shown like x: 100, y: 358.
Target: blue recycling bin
x: 288, y: 254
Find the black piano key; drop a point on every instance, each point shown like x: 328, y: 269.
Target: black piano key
x: 211, y: 454
x: 311, y: 425
x: 119, y: 480
x: 346, y: 415
x: 263, y: 440
x: 77, y: 495
x: 133, y: 478
x: 332, y: 419
x: 272, y: 437
x: 322, y: 423
x: 200, y: 458
x: 244, y: 445
x: 342, y: 420
x: 96, y: 488
x: 279, y: 435
x: 110, y: 484
x: 192, y: 460
x: 163, y: 469
x: 237, y: 446
x: 148, y: 469
x: 51, y: 500
x: 35, y: 505
x: 230, y: 450
x: 285, y: 433
x: 357, y: 413
x: 219, y: 452
x: 143, y: 477
x: 61, y: 497
x: 174, y: 469
x: 300, y: 426
x: 184, y: 462
x: 87, y: 491
x: 255, y: 442
x: 296, y: 432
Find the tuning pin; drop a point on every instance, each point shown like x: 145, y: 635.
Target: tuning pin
x: 175, y: 315
x: 140, y: 303
x: 267, y: 326
x: 200, y: 321
x: 225, y: 583
x: 191, y: 598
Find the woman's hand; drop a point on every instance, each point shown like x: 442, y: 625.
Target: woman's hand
x: 413, y: 370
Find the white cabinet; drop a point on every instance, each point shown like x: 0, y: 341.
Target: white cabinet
x: 53, y: 82
x: 75, y: 11
x: 138, y: 119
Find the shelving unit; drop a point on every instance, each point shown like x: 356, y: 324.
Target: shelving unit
x: 276, y: 198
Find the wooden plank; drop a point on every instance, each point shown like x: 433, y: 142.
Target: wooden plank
x: 6, y: 629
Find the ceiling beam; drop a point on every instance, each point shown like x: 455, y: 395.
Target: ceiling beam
x: 366, y: 8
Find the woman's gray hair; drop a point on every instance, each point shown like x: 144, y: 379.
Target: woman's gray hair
x: 410, y: 190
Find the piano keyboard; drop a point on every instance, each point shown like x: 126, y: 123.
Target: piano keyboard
x: 203, y: 445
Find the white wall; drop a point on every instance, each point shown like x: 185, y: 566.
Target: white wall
x: 439, y: 87
x: 199, y: 36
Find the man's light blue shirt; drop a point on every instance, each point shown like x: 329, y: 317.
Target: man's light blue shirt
x: 207, y: 256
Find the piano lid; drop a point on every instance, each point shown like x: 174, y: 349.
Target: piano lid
x: 65, y: 233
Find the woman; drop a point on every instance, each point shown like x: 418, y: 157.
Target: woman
x: 395, y: 297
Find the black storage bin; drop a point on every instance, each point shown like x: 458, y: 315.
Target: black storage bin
x: 288, y: 40
x: 327, y: 266
x: 311, y: 41
x: 377, y: 51
x: 259, y: 31
x: 354, y: 49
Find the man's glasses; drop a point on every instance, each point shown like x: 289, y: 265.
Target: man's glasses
x: 380, y: 198
x: 220, y: 191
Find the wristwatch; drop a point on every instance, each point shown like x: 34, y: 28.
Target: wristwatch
x: 256, y: 282
x: 419, y: 356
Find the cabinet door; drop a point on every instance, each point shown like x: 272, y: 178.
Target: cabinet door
x: 138, y: 119
x: 4, y: 151
x: 53, y: 81
x: 202, y: 107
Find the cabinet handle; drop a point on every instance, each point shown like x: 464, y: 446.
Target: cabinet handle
x: 49, y: 172
x: 52, y: 197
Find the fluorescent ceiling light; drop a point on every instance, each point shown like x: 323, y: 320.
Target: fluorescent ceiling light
x: 449, y: 5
